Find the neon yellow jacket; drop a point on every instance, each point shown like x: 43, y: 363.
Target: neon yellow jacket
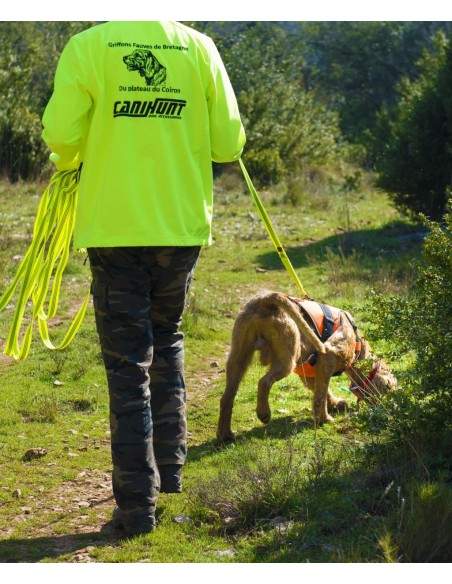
x: 146, y: 106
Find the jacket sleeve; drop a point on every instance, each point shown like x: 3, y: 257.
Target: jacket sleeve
x: 66, y: 117
x: 227, y: 135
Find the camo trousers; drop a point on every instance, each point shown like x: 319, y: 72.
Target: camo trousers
x: 139, y: 296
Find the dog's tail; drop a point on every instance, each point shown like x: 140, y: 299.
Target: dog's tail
x: 280, y: 300
x: 243, y: 344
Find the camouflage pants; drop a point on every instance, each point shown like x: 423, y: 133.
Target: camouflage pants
x: 139, y: 296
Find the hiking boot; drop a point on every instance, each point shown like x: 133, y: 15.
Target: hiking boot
x: 170, y: 478
x: 136, y: 522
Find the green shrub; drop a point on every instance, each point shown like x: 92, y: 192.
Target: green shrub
x: 426, y: 534
x: 288, y: 130
x: 419, y: 325
x: 256, y: 484
x: 23, y: 152
x: 253, y: 488
x: 416, y: 150
x: 287, y: 127
x: 29, y: 52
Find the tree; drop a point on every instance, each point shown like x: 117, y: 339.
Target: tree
x: 287, y: 127
x: 415, y: 163
x: 356, y: 66
x: 29, y: 52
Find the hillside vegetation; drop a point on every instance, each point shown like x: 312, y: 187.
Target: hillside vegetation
x: 348, y: 138
x: 284, y: 492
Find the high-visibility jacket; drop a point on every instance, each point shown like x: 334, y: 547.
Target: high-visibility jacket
x: 146, y: 106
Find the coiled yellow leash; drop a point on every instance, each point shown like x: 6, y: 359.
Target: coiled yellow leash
x: 271, y: 231
x: 47, y: 252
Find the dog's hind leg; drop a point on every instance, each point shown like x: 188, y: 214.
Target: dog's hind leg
x: 283, y: 350
x: 274, y: 374
x: 239, y: 358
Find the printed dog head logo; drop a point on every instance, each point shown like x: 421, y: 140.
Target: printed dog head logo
x: 147, y: 65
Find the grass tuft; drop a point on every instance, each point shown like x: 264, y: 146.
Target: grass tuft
x: 426, y: 533
x: 263, y: 481
x: 42, y: 408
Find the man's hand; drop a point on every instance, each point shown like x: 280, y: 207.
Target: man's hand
x: 62, y: 165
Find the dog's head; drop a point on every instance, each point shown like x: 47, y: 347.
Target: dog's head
x: 147, y: 65
x: 370, y: 379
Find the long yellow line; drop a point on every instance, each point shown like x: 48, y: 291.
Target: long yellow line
x: 271, y: 231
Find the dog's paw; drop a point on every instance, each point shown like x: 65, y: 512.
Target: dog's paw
x: 225, y: 438
x: 324, y: 420
x: 264, y: 416
x: 340, y: 406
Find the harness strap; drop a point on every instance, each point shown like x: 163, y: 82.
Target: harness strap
x: 328, y: 322
x: 358, y: 341
x: 308, y: 317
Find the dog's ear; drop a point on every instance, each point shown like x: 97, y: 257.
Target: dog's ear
x: 365, y: 349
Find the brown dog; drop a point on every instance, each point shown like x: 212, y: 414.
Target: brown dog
x: 291, y: 336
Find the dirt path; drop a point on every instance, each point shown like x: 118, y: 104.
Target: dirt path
x: 69, y: 519
x: 76, y: 507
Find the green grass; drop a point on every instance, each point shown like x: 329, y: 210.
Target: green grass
x: 333, y: 506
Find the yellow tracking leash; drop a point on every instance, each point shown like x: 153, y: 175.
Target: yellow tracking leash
x: 48, y: 252
x: 271, y: 231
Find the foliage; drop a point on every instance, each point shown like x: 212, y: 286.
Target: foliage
x: 287, y: 127
x: 421, y: 530
x: 420, y: 324
x: 426, y: 535
x: 299, y: 87
x: 29, y: 53
x: 330, y: 498
x: 355, y: 66
x: 415, y: 143
x: 257, y: 487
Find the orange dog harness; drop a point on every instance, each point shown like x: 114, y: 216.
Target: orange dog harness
x: 324, y: 321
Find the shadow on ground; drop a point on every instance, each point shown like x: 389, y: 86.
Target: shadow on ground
x: 394, y: 240
x: 38, y: 548
x: 53, y: 547
x: 282, y: 427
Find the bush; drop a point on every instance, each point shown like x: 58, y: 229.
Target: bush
x: 420, y: 325
x: 263, y: 483
x: 356, y: 66
x: 426, y: 534
x: 23, y: 152
x: 287, y: 132
x: 287, y: 127
x: 251, y: 489
x: 416, y: 142
x: 29, y: 52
